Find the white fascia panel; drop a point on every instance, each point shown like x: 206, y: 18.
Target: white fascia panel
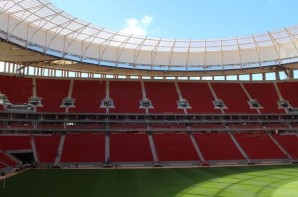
x: 127, y: 55
x: 213, y: 58
x: 54, y: 42
x: 15, y: 27
x: 109, y: 53
x: 179, y: 59
x: 90, y: 51
x: 36, y: 36
x: 288, y: 50
x: 161, y: 58
x: 249, y: 55
x: 196, y: 59
x: 268, y: 53
x: 144, y: 57
x: 4, y: 22
x: 231, y: 57
x: 73, y: 46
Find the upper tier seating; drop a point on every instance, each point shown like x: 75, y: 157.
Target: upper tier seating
x: 199, y: 97
x: 259, y: 146
x: 218, y: 146
x: 163, y: 96
x: 266, y: 95
x: 126, y: 96
x: 233, y: 97
x: 15, y: 142
x: 52, y: 93
x: 289, y: 143
x: 175, y: 147
x: 88, y: 96
x: 47, y: 147
x: 83, y: 147
x: 130, y: 147
x: 289, y: 91
x: 17, y: 89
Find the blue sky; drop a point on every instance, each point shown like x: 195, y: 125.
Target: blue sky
x: 185, y: 19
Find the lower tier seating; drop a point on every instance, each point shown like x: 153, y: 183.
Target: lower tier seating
x: 6, y: 161
x: 218, y: 146
x: 15, y: 142
x: 83, y: 147
x: 130, y: 147
x: 175, y: 147
x: 135, y: 147
x: 2, y: 165
x: 259, y: 146
x: 289, y: 143
x: 47, y: 147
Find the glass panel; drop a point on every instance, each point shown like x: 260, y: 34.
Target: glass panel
x: 257, y: 77
x: 244, y: 77
x: 231, y: 78
x: 270, y: 76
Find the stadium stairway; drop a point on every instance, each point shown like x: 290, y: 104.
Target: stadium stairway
x: 219, y: 149
x: 248, y: 96
x: 175, y: 149
x: 107, y: 151
x: 261, y: 149
x: 60, y: 150
x: 153, y: 150
x: 144, y: 95
x: 214, y: 95
x: 279, y: 146
x: 107, y: 94
x: 199, y: 152
x: 180, y: 96
x: 290, y: 143
x: 239, y: 147
x: 69, y: 95
x: 32, y: 141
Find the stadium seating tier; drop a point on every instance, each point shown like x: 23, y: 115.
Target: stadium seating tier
x: 218, y: 146
x: 83, y: 147
x: 47, y: 147
x: 259, y: 146
x: 130, y: 147
x: 175, y: 147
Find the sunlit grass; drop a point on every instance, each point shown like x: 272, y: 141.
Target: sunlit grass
x: 262, y: 181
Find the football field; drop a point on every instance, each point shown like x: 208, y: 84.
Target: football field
x: 156, y: 182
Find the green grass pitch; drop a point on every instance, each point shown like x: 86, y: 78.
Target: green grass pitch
x: 221, y: 181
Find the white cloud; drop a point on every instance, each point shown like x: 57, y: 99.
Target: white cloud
x: 137, y: 26
x: 147, y: 20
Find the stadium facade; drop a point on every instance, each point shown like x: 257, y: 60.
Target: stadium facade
x: 73, y: 93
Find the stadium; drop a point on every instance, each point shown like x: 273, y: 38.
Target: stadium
x: 85, y: 111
